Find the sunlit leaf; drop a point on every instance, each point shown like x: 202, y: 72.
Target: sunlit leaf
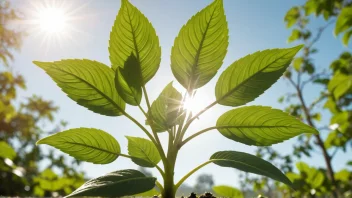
x: 116, y: 184
x: 249, y: 163
x: 296, y: 34
x: 249, y: 77
x: 200, y: 47
x: 87, y: 144
x: 260, y: 126
x: 89, y: 83
x: 292, y: 16
x: 144, y: 150
x: 133, y: 33
x: 165, y: 109
x: 344, y: 20
x: 340, y: 84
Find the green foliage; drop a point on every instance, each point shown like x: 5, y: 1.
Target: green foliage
x: 330, y: 88
x: 249, y: 163
x: 344, y: 23
x: 249, y: 77
x: 6, y: 151
x: 260, y: 126
x: 132, y: 33
x: 200, y: 47
x: 116, y: 184
x: 144, y: 150
x: 227, y: 191
x: 196, y: 56
x: 128, y: 81
x: 85, y: 144
x: 87, y: 82
x: 165, y: 110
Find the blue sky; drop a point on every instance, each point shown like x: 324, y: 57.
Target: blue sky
x: 253, y: 25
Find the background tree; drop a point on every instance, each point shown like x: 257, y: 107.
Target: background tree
x: 335, y: 96
x: 21, y: 125
x: 205, y: 183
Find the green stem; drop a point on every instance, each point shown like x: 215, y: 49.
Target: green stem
x: 157, y: 140
x: 140, y: 126
x: 156, y: 166
x: 195, y: 135
x: 190, y: 173
x: 142, y: 110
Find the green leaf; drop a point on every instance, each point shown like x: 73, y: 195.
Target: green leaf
x: 249, y: 163
x: 291, y: 16
x: 260, y: 126
x: 6, y: 151
x: 89, y: 83
x: 296, y: 34
x: 344, y: 20
x: 346, y: 37
x: 250, y: 76
x: 165, y: 109
x: 87, y: 144
x: 144, y: 150
x: 227, y: 191
x: 200, y: 47
x: 297, y: 63
x: 128, y: 81
x: 343, y: 175
x: 133, y: 33
x: 340, y: 84
x: 116, y: 184
x: 314, y: 178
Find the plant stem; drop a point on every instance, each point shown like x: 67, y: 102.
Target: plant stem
x: 140, y: 126
x: 149, y: 117
x: 158, y: 184
x: 190, y: 173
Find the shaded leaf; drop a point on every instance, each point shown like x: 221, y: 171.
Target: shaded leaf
x: 346, y: 37
x: 116, y: 184
x: 144, y: 150
x: 227, y: 191
x: 87, y: 144
x: 133, y: 33
x: 200, y: 47
x: 128, y: 81
x: 260, y: 126
x: 89, y: 83
x: 248, y: 163
x: 249, y: 77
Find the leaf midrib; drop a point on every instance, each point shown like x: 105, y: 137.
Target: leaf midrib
x: 92, y: 86
x: 200, y: 49
x: 89, y: 146
x: 245, y: 126
x: 245, y: 81
x: 151, y: 161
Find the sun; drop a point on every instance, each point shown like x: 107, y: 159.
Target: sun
x: 195, y: 103
x: 52, y: 20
